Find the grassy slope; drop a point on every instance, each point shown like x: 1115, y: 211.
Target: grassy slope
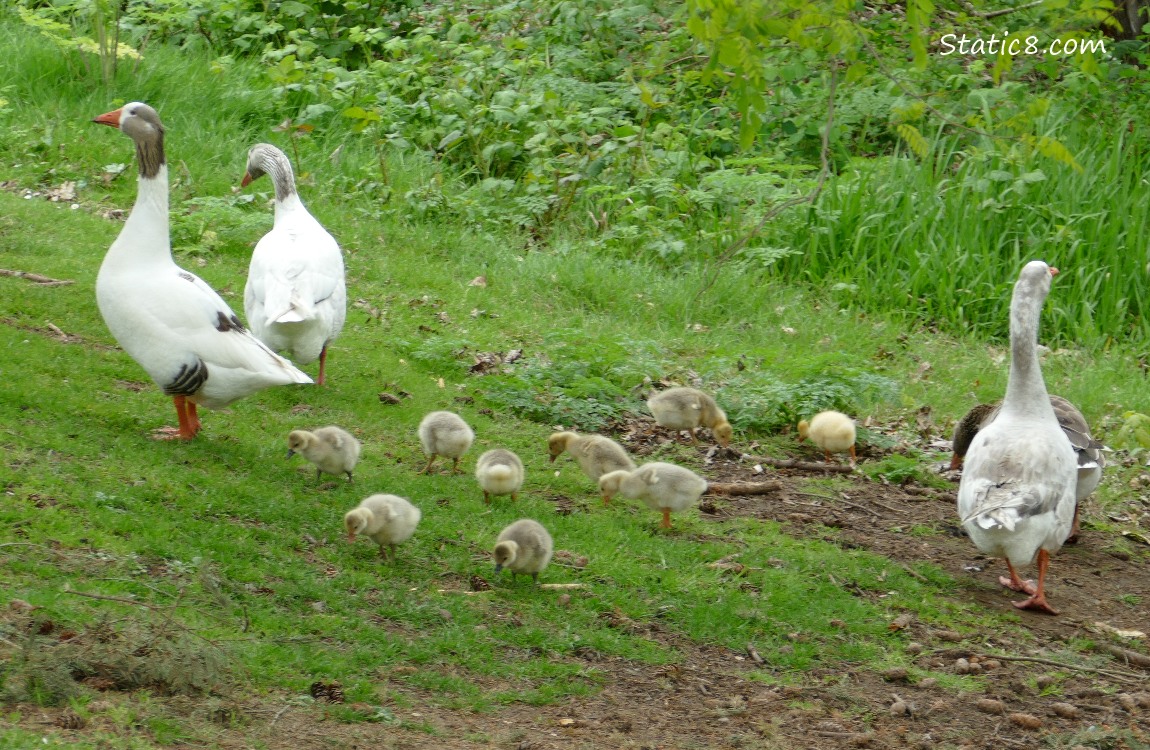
x: 229, y: 527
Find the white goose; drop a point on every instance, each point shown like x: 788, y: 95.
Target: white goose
x: 296, y: 295
x: 180, y: 331
x: 1017, y: 494
x: 1074, y: 426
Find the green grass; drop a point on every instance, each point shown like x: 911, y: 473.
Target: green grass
x: 244, y: 549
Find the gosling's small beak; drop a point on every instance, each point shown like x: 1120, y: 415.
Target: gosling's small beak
x: 498, y: 568
x: 246, y: 180
x: 552, y: 459
x: 290, y: 453
x: 351, y: 536
x: 1053, y: 271
x: 606, y: 498
x: 109, y: 118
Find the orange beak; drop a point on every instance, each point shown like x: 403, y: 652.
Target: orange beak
x: 109, y: 118
x: 247, y: 180
x: 1053, y: 271
x: 606, y: 499
x: 351, y: 536
x: 955, y: 462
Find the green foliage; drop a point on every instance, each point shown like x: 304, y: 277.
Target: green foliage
x: 1134, y: 434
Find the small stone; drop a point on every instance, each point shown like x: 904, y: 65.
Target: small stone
x: 1044, y: 681
x: 913, y: 648
x: 563, y: 600
x: 1026, y: 721
x: 991, y: 664
x: 1127, y: 702
x: 896, y: 674
x: 961, y: 666
x: 990, y: 706
x: 948, y: 635
x: 99, y: 707
x: 1142, y: 699
x: 928, y: 683
x: 1066, y: 710
x: 900, y: 708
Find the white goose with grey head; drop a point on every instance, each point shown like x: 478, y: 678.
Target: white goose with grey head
x: 296, y: 295
x: 169, y: 320
x: 1017, y: 494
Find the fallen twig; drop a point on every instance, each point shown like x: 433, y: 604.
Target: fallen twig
x: 1125, y: 655
x: 790, y: 463
x: 743, y: 488
x: 913, y: 573
x: 1129, y: 679
x: 883, y: 505
x: 35, y: 278
x: 120, y: 599
x: 549, y: 586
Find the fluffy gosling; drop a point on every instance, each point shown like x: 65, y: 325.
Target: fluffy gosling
x: 499, y: 472
x: 443, y: 433
x: 689, y: 409
x: 331, y: 449
x: 832, y: 431
x: 595, y: 454
x: 523, y: 547
x: 386, y: 519
x: 660, y: 486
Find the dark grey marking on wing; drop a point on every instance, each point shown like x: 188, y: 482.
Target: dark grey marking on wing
x: 188, y: 380
x: 225, y: 324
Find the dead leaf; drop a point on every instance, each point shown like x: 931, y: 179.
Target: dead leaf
x: 901, y: 622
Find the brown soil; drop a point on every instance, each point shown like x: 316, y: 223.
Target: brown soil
x: 713, y: 700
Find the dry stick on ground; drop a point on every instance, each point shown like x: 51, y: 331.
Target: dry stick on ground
x: 1125, y: 655
x: 550, y: 586
x: 743, y: 488
x: 35, y: 278
x: 790, y: 463
x: 1129, y: 679
x: 809, y: 198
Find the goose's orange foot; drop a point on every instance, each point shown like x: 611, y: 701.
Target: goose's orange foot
x: 1036, y: 603
x: 1019, y: 585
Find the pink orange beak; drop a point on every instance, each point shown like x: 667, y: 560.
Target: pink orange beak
x: 247, y: 180
x: 351, y: 536
x: 109, y: 118
x: 1053, y: 271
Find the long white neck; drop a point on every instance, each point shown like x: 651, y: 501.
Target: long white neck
x: 1025, y: 389
x: 145, y: 237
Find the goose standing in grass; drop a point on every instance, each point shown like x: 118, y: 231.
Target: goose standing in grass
x: 689, y: 409
x: 331, y: 449
x: 660, y: 486
x: 443, y: 433
x: 523, y: 547
x: 387, y: 520
x: 1074, y: 426
x: 1017, y: 494
x: 172, y: 323
x: 296, y: 295
x: 499, y: 472
x: 595, y: 454
x: 832, y: 431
